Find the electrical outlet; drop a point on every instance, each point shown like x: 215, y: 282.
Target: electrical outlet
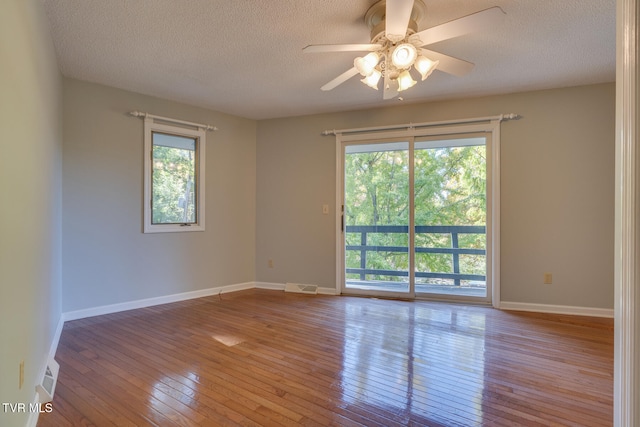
x: 21, y: 379
x: 548, y: 278
x: 270, y: 263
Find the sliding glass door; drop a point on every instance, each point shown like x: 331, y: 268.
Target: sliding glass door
x: 414, y: 220
x: 376, y: 218
x: 450, y: 217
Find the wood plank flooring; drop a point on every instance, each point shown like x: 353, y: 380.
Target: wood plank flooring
x: 269, y: 358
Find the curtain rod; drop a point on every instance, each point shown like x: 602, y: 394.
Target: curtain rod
x: 170, y: 120
x: 409, y: 126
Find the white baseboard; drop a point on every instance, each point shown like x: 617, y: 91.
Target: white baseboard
x: 55, y: 340
x: 271, y: 286
x: 327, y: 291
x: 32, y: 421
x: 557, y: 309
x: 148, y: 302
x: 166, y: 299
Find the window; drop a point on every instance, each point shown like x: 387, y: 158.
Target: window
x: 173, y: 178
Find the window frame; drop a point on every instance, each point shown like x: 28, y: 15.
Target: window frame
x: 151, y: 126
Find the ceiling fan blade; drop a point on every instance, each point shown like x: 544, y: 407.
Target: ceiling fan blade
x: 397, y: 16
x: 320, y: 48
x: 390, y: 88
x: 458, y: 27
x: 340, y: 79
x: 449, y: 64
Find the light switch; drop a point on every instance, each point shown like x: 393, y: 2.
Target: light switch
x: 325, y: 209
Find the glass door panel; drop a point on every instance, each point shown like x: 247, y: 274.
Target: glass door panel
x: 450, y: 217
x: 376, y: 218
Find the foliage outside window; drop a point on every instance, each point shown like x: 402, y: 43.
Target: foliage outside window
x: 174, y: 178
x: 449, y: 188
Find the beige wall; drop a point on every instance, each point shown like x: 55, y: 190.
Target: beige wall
x: 557, y: 197
x: 30, y: 189
x: 557, y: 192
x: 106, y: 257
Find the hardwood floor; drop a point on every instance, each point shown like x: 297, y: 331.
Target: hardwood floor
x: 262, y: 358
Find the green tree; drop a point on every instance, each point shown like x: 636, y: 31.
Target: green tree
x: 450, y: 189
x: 173, y: 185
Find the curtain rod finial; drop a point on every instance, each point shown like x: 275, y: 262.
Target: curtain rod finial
x: 510, y: 116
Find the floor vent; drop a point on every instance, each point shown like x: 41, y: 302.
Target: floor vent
x: 48, y: 385
x: 301, y: 289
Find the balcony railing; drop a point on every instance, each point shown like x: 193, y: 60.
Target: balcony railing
x: 455, y: 251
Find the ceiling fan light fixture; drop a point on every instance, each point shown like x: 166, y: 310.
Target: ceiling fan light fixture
x: 425, y: 66
x: 372, y: 79
x: 396, y: 45
x: 366, y: 65
x: 404, y: 55
x: 405, y: 81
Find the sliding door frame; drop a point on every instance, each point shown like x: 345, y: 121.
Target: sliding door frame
x: 491, y: 127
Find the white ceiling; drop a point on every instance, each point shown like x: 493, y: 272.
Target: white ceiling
x: 244, y: 57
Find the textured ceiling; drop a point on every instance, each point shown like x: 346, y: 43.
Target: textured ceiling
x: 244, y: 57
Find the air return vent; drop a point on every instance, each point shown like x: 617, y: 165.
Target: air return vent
x: 48, y: 385
x: 301, y: 289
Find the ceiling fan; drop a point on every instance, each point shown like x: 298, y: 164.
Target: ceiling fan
x: 396, y: 46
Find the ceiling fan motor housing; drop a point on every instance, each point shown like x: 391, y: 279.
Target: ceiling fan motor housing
x: 375, y: 19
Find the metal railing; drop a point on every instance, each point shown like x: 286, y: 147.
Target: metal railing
x: 455, y: 251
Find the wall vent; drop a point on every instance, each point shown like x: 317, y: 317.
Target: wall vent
x: 48, y: 385
x: 301, y: 289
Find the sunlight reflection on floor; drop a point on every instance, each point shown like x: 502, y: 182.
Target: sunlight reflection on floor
x: 408, y: 368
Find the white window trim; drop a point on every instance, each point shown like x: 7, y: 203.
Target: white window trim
x: 151, y: 126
